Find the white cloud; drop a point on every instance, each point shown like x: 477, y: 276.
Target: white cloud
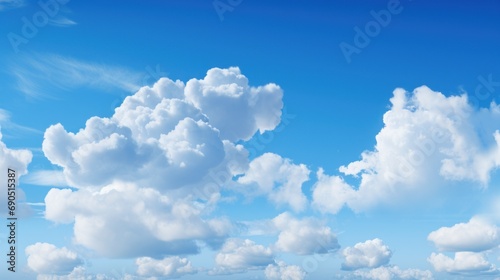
x: 6, y: 123
x: 235, y: 108
x: 278, y: 178
x: 171, y: 267
x: 237, y: 255
x: 369, y: 254
x: 303, y: 237
x: 393, y: 273
x: 67, y: 73
x: 282, y: 271
x: 122, y: 220
x: 331, y: 193
x: 164, y: 152
x: 18, y: 161
x: 467, y: 263
x: 427, y: 140
x: 45, y: 258
x: 477, y: 235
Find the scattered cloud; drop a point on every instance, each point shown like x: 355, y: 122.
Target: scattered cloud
x: 281, y: 271
x: 238, y: 255
x: 475, y: 236
x: 45, y: 258
x: 303, y: 237
x: 427, y: 139
x: 171, y: 267
x: 278, y: 178
x: 466, y: 263
x: 394, y: 273
x: 368, y: 254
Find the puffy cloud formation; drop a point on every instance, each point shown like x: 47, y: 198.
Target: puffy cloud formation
x: 234, y: 107
x: 147, y: 175
x: 467, y: 263
x: 176, y: 130
x: 238, y: 255
x: 122, y: 220
x: 368, y: 254
x: 281, y: 271
x: 393, y: 273
x: 45, y: 258
x: 80, y: 273
x: 303, y: 237
x: 172, y: 267
x: 278, y: 178
x: 427, y: 138
x: 476, y: 235
x: 17, y: 160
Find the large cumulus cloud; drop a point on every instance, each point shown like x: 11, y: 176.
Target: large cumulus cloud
x: 427, y: 140
x: 148, y: 176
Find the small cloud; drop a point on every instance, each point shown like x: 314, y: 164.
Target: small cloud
x: 45, y: 258
x: 61, y: 21
x: 369, y: 254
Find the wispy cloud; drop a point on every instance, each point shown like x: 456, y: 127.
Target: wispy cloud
x: 52, y: 178
x: 61, y: 21
x: 6, y: 123
x: 36, y: 75
x: 10, y: 4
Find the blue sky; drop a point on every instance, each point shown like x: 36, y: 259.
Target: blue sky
x: 237, y: 139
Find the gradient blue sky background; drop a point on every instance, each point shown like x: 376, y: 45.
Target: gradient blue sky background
x: 90, y: 55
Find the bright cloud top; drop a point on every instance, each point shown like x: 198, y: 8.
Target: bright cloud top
x: 476, y: 235
x: 239, y: 255
x: 427, y: 138
x: 45, y: 258
x: 467, y: 263
x: 282, y: 271
x: 172, y: 267
x: 278, y: 178
x: 180, y: 131
x: 369, y: 254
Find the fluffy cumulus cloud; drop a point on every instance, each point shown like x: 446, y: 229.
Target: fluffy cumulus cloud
x: 281, y: 271
x: 45, y: 258
x: 368, y: 254
x: 171, y: 267
x: 427, y: 137
x: 303, y: 237
x: 278, y: 178
x: 154, y: 169
x: 476, y: 235
x: 238, y: 255
x: 16, y: 160
x: 467, y: 263
x: 122, y: 220
x: 394, y: 273
x: 177, y: 130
